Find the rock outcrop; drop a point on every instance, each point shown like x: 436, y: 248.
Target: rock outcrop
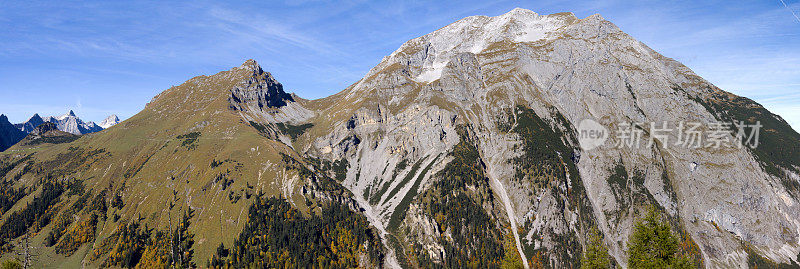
x: 109, y: 121
x: 9, y: 134
x: 31, y: 124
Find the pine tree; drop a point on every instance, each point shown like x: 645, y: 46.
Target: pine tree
x: 596, y: 254
x: 182, y: 242
x: 511, y: 259
x: 653, y: 245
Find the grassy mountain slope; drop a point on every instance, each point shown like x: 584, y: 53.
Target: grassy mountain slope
x: 185, y: 151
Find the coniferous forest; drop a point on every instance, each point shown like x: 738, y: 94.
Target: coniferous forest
x: 280, y: 236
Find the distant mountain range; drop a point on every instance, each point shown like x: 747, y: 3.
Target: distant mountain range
x: 10, y: 134
x: 68, y: 123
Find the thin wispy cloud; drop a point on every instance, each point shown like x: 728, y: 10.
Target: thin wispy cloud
x: 263, y: 31
x: 790, y: 9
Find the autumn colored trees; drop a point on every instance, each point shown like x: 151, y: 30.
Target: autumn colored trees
x: 512, y: 259
x: 182, y: 242
x: 11, y: 264
x: 137, y: 246
x: 84, y: 232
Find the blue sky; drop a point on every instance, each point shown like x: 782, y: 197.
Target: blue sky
x: 106, y: 57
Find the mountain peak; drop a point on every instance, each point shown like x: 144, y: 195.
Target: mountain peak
x: 475, y: 34
x: 251, y: 64
x: 29, y: 125
x: 520, y: 12
x: 69, y: 114
x: 9, y: 134
x: 262, y: 89
x: 594, y: 18
x: 109, y: 121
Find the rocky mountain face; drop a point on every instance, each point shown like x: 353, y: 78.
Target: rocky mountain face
x: 31, y: 124
x: 462, y: 148
x: 261, y: 90
x: 512, y: 90
x: 9, y: 134
x: 74, y: 125
x: 108, y: 122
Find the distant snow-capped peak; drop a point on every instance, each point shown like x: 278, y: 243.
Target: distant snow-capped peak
x: 110, y: 121
x: 67, y: 115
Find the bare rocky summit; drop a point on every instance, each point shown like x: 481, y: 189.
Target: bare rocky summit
x: 109, y: 121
